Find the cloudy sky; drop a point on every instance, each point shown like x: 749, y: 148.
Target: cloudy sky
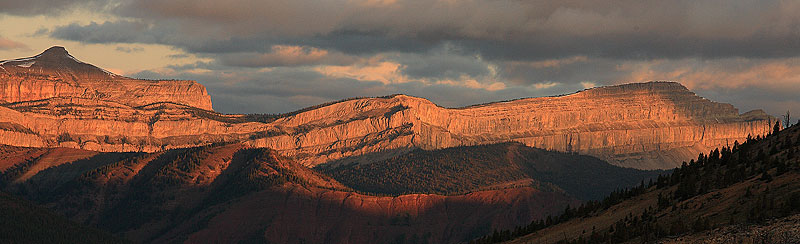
x: 259, y: 56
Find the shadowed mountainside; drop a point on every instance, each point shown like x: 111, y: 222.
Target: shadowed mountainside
x: 230, y: 193
x: 752, y: 186
x: 23, y: 222
x: 468, y: 168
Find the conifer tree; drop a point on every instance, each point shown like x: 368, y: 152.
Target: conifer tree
x: 776, y: 128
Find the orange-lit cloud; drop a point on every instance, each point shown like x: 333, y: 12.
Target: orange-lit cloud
x: 390, y: 72
x: 374, y: 69
x: 9, y: 44
x: 545, y: 85
x: 729, y: 74
x: 287, y: 55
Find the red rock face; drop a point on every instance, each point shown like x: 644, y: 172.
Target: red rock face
x: 646, y: 126
x: 56, y: 73
x: 654, y: 125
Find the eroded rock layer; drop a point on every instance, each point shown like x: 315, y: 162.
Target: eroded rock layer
x: 646, y: 125
x: 56, y: 100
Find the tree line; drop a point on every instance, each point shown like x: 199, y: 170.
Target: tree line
x: 762, y: 158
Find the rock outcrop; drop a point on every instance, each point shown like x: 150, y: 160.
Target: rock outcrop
x: 654, y: 125
x: 56, y: 73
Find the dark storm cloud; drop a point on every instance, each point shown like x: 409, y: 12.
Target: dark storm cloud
x: 441, y: 64
x: 571, y: 70
x: 534, y: 47
x: 498, y: 30
x: 282, y: 55
x: 111, y: 32
x: 36, y: 7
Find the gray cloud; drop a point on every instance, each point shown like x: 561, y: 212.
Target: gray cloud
x: 129, y: 49
x: 716, y: 47
x: 37, y: 7
x: 112, y: 32
x: 519, y: 30
x: 285, y: 89
x: 274, y: 91
x: 281, y: 55
x: 441, y: 64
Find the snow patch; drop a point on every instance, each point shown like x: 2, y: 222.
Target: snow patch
x: 26, y: 64
x: 19, y: 60
x: 81, y: 62
x: 73, y: 58
x: 106, y: 71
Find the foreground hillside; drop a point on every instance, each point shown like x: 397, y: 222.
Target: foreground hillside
x: 747, y: 184
x: 230, y: 193
x: 781, y: 230
x: 24, y: 222
x: 53, y: 100
x: 464, y: 169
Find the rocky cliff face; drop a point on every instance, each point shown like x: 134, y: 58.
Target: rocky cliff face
x: 56, y: 73
x: 644, y: 125
x: 653, y: 125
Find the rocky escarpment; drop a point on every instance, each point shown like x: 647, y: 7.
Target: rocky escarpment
x: 55, y: 100
x: 642, y: 125
x: 56, y: 73
x: 654, y: 125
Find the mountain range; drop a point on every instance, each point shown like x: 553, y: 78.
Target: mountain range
x: 151, y: 161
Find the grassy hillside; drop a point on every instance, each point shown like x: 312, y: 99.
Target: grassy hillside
x: 750, y: 183
x: 23, y: 222
x: 464, y: 169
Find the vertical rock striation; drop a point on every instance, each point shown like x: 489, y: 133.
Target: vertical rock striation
x: 654, y: 125
x: 643, y: 125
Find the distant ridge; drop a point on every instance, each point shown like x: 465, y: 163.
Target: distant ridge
x: 56, y: 73
x: 58, y: 62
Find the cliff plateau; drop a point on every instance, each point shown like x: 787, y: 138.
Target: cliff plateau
x: 654, y: 125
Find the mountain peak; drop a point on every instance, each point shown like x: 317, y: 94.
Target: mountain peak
x: 56, y: 73
x: 58, y: 62
x: 59, y: 56
x: 55, y: 51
